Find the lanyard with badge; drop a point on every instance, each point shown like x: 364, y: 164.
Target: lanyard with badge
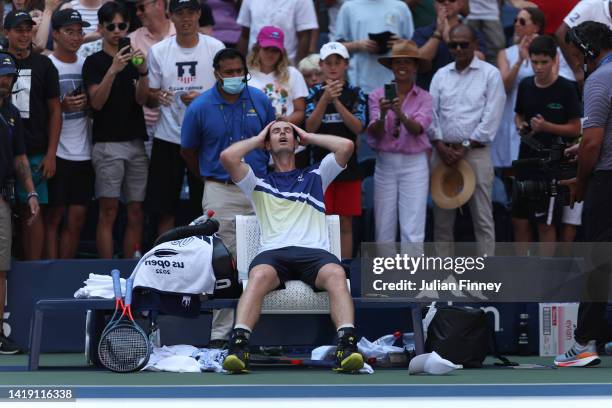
x: 226, y: 121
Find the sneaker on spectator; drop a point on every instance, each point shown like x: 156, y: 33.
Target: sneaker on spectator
x: 237, y: 360
x: 348, y: 359
x: 579, y: 356
x: 7, y: 346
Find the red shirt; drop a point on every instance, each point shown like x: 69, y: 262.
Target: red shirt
x: 555, y: 11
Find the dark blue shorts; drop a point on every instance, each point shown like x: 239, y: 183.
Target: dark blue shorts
x: 295, y: 263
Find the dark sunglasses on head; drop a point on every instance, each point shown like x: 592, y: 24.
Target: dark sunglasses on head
x: 521, y: 21
x: 120, y: 26
x: 445, y: 1
x: 462, y: 45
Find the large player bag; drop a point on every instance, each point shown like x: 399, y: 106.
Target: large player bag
x: 182, y: 266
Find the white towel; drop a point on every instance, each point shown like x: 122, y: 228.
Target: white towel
x: 98, y: 286
x: 183, y: 358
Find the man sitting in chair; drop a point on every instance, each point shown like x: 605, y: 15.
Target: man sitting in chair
x: 291, y: 212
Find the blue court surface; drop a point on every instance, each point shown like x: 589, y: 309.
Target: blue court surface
x: 69, y: 371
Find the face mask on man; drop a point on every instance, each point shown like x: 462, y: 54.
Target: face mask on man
x: 233, y: 85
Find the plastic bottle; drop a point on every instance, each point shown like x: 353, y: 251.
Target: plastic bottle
x: 137, y: 252
x: 523, y: 334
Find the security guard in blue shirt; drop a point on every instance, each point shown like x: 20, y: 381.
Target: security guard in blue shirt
x: 228, y: 112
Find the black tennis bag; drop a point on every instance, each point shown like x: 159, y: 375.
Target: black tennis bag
x: 462, y: 335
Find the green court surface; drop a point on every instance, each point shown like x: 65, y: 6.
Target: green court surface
x: 70, y: 370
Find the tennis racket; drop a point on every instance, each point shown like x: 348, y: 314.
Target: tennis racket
x: 118, y: 301
x: 124, y: 347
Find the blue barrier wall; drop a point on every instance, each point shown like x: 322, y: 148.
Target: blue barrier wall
x: 65, y: 332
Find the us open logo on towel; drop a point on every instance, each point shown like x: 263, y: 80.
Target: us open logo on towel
x: 162, y: 265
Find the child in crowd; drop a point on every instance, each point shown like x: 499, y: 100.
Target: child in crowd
x: 309, y: 67
x: 337, y: 108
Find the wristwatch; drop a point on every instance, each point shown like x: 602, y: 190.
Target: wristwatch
x: 466, y: 144
x: 32, y: 194
x: 437, y: 35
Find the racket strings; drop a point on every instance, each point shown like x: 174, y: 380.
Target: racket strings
x: 124, y: 348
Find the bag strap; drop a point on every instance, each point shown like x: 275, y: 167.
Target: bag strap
x: 505, y: 362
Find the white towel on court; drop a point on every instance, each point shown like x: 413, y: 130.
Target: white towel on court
x: 98, y: 286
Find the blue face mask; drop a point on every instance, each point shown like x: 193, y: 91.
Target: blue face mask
x: 233, y: 85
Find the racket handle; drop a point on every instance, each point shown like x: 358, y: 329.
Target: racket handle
x: 128, y: 291
x: 116, y: 284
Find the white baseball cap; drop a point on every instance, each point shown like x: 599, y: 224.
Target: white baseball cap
x: 333, y: 48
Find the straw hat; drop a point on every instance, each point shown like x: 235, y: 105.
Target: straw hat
x: 401, y: 49
x: 451, y: 187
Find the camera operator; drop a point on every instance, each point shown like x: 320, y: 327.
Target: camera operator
x: 594, y: 180
x: 548, y: 112
x: 13, y: 161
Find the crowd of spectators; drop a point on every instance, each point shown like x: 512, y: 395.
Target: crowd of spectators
x: 413, y: 83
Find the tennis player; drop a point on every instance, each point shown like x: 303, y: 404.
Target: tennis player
x: 290, y: 208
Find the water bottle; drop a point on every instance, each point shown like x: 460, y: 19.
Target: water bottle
x: 137, y: 252
x: 523, y: 334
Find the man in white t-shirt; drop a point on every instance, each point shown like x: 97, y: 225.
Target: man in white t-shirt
x: 295, y: 17
x: 599, y: 11
x: 294, y: 244
x: 72, y: 186
x: 180, y: 69
x: 357, y: 20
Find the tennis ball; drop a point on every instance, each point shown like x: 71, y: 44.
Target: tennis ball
x: 137, y: 60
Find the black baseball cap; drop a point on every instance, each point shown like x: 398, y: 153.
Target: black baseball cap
x: 16, y: 17
x: 66, y: 17
x: 176, y: 5
x: 7, y: 65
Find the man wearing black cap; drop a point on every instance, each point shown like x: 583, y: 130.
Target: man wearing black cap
x: 72, y: 186
x: 36, y: 96
x: 13, y: 161
x: 180, y: 69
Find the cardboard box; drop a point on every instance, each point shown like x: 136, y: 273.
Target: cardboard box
x: 557, y: 324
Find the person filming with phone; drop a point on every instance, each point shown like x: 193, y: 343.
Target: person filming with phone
x: 117, y: 85
x: 72, y: 187
x: 400, y: 112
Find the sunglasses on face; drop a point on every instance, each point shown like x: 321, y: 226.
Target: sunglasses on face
x: 445, y: 1
x: 521, y: 21
x: 458, y: 45
x: 120, y: 26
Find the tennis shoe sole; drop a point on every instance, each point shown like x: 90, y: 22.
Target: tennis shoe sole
x: 581, y: 360
x: 234, y: 365
x: 351, y: 364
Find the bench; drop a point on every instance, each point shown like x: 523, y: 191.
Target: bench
x: 297, y: 298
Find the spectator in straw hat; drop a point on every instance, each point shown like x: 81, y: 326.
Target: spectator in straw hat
x: 397, y: 133
x: 468, y: 103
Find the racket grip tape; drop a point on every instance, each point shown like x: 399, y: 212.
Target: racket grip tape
x: 116, y: 283
x: 128, y: 291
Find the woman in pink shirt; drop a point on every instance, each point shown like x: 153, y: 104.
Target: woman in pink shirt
x: 397, y: 133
